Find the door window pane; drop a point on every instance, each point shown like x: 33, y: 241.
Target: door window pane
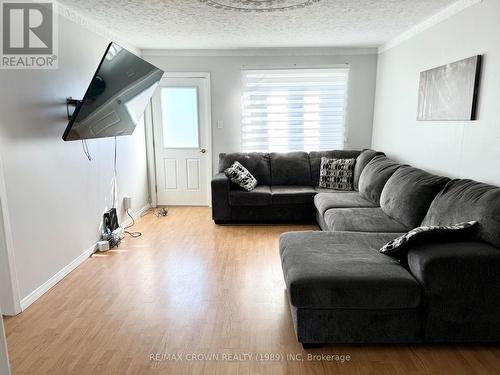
x: 179, y: 107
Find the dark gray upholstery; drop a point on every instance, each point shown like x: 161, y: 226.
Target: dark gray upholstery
x: 344, y: 270
x: 260, y: 196
x: 325, y: 190
x: 341, y: 289
x: 320, y: 219
x: 362, y: 220
x: 289, y: 178
x: 349, y: 199
x: 257, y: 164
x: 408, y: 194
x: 315, y: 160
x: 292, y: 194
x: 346, y: 326
x: 374, y: 177
x: 466, y: 200
x: 461, y: 290
x: 221, y: 185
x: 290, y: 168
x: 361, y: 161
x: 290, y: 213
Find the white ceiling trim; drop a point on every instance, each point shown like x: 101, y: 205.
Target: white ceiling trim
x: 93, y: 26
x: 261, y: 52
x: 427, y: 24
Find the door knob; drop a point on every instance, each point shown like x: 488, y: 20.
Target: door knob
x: 203, y: 151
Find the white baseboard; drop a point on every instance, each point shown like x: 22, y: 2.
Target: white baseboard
x: 42, y: 289
x: 45, y: 287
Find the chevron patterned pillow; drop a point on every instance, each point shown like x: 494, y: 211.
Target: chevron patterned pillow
x: 398, y: 247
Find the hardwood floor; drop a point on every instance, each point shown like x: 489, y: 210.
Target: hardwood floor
x: 190, y: 287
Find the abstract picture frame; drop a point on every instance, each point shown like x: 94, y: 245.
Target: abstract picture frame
x: 450, y: 92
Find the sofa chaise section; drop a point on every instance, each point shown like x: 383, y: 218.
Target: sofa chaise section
x: 342, y: 290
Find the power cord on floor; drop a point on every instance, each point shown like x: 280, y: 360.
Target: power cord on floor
x: 132, y: 234
x: 160, y: 212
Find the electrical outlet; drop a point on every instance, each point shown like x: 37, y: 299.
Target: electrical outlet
x: 127, y: 202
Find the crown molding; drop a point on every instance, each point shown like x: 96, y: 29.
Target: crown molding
x: 93, y: 26
x: 306, y: 51
x: 428, y: 23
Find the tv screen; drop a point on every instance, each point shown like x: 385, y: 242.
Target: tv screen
x: 116, y: 97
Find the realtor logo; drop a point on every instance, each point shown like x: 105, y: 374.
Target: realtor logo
x: 29, y: 35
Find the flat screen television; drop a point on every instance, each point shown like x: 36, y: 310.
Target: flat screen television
x: 116, y: 97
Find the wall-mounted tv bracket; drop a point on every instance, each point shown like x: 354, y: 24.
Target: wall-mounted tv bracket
x: 70, y: 102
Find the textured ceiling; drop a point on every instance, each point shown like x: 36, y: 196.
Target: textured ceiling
x: 195, y: 24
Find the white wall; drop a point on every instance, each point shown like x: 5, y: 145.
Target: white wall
x: 457, y: 149
x: 56, y: 197
x: 225, y: 72
x: 9, y: 294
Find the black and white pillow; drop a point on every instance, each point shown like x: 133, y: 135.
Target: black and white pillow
x: 399, y: 246
x: 238, y: 174
x: 337, y: 174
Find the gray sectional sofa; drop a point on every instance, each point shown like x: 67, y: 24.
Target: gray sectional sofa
x: 341, y: 289
x: 287, y: 184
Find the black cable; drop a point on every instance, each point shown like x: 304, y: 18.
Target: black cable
x: 84, y: 142
x: 132, y: 234
x: 86, y: 149
x: 67, y: 110
x: 114, y: 178
x: 158, y: 213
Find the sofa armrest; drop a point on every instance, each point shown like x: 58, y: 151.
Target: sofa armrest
x: 461, y: 290
x: 221, y: 211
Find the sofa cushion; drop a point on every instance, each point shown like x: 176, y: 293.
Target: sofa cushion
x: 337, y: 174
x: 257, y: 164
x: 292, y: 194
x: 362, y: 220
x: 240, y: 176
x: 344, y: 270
x: 291, y: 168
x: 340, y: 199
x: 260, y: 196
x: 467, y: 200
x: 362, y: 160
x: 374, y: 177
x: 315, y: 160
x: 325, y: 190
x: 408, y: 194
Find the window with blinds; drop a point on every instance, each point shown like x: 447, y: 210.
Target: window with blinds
x: 294, y: 109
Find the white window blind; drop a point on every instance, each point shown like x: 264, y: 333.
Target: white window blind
x: 294, y: 109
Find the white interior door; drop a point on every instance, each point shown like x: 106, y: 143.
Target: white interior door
x: 181, y: 123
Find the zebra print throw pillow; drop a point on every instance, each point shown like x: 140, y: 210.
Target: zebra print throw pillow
x: 457, y: 232
x: 238, y: 174
x: 337, y: 174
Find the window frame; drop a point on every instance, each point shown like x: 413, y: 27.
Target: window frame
x: 343, y: 69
